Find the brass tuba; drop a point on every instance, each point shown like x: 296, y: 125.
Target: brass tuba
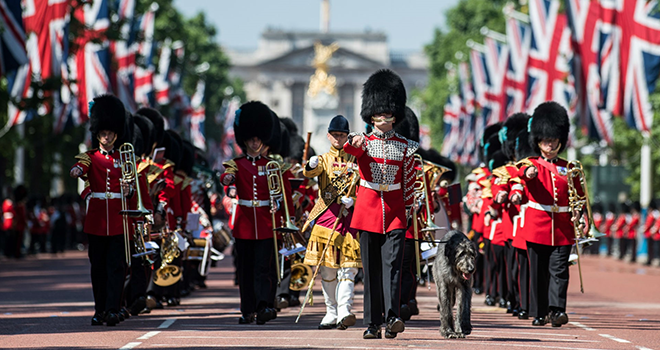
x: 301, y: 275
x: 167, y: 274
x: 579, y: 205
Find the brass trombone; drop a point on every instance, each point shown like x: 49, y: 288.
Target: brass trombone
x: 580, y: 204
x: 276, y: 191
x: 130, y: 175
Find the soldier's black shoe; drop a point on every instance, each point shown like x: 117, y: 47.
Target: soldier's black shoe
x: 246, y: 319
x: 346, y: 322
x: 540, y: 321
x: 395, y: 325
x: 414, y: 310
x: 509, y: 307
x: 372, y: 332
x: 282, y: 303
x: 173, y: 302
x: 120, y: 316
x: 138, y: 305
x: 477, y: 291
x: 293, y: 302
x: 515, y: 312
x: 266, y: 315
x: 558, y: 318
x: 98, y: 319
x: 111, y: 319
x: 502, y: 303
x: 124, y: 312
x: 327, y: 326
x: 405, y: 313
x: 523, y: 315
x: 490, y: 301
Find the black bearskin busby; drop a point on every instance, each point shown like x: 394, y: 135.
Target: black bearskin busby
x: 107, y: 112
x: 523, y: 147
x: 172, y: 144
x: 490, y: 130
x: 510, y: 129
x: 255, y: 119
x: 409, y: 126
x: 148, y: 133
x: 290, y: 125
x: 597, y: 207
x: 137, y: 140
x: 497, y: 160
x: 188, y: 159
x: 339, y: 124
x: 550, y: 120
x: 491, y: 146
x: 383, y: 92
x: 157, y: 120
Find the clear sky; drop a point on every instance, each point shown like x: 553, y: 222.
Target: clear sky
x: 409, y: 24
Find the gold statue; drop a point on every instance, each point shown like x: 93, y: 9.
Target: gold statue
x: 321, y: 80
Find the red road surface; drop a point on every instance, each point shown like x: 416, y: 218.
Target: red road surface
x: 46, y: 303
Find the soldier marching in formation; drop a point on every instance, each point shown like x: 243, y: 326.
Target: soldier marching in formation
x: 361, y: 205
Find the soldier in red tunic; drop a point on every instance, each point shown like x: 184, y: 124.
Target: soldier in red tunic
x: 103, y: 224
x: 255, y: 127
x: 546, y: 187
x: 384, y: 199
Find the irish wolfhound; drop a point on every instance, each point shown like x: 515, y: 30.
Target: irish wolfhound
x: 453, y: 268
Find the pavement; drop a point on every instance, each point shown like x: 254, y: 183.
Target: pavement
x: 46, y: 303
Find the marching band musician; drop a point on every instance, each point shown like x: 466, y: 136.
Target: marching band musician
x: 255, y: 127
x: 103, y: 224
x: 384, y: 201
x: 546, y: 187
x: 506, y: 183
x: 342, y: 260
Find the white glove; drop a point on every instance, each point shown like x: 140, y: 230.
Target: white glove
x: 313, y: 162
x: 347, y: 202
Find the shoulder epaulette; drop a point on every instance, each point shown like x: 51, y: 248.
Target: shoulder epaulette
x: 143, y: 165
x: 177, y: 179
x: 230, y: 166
x: 154, y: 173
x: 186, y: 182
x: 524, y: 162
x: 478, y: 171
x: 502, y: 173
x: 168, y: 163
x: 84, y: 159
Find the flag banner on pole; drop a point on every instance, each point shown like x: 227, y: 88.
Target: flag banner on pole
x: 198, y: 116
x: 13, y: 52
x: 519, y: 38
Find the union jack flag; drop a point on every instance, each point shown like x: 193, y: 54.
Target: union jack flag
x: 227, y: 145
x: 124, y: 54
x: 470, y: 124
x: 452, y: 122
x: 639, y: 51
x: 549, y: 57
x: 198, y: 116
x: 519, y: 38
x: 13, y: 53
x: 144, y: 74
x: 92, y: 60
x: 592, y: 27
x: 161, y: 80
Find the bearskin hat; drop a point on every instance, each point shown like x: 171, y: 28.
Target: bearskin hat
x: 550, y: 120
x: 137, y: 140
x: 297, y: 148
x: 611, y: 207
x: 383, y: 92
x: 653, y: 204
x: 255, y: 119
x: 625, y: 208
x: 188, y: 159
x: 492, y: 145
x: 510, y: 129
x: 148, y: 133
x: 597, y: 207
x: 172, y: 143
x: 409, y: 126
x: 107, y: 112
x: 157, y: 120
x: 280, y: 145
x: 636, y: 206
x: 290, y: 125
x: 497, y: 160
x: 523, y: 147
x: 488, y: 132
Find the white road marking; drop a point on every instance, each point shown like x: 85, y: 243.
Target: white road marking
x: 167, y: 323
x: 149, y: 335
x: 614, y: 338
x: 586, y: 328
x: 642, y: 348
x: 130, y: 345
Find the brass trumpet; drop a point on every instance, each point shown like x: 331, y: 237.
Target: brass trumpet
x: 579, y: 204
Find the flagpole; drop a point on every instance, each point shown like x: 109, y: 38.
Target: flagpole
x: 19, y: 158
x: 645, y: 188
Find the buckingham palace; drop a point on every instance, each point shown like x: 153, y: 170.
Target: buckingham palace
x: 311, y: 76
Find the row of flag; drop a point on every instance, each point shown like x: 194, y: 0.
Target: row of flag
x: 34, y: 47
x: 598, y: 58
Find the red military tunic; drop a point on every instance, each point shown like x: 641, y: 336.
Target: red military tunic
x: 631, y: 229
x: 610, y: 217
x: 387, y: 179
x: 547, y: 207
x: 484, y: 185
x: 103, y: 173
x: 651, y: 217
x: 620, y: 225
x: 168, y: 196
x: 252, y: 217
